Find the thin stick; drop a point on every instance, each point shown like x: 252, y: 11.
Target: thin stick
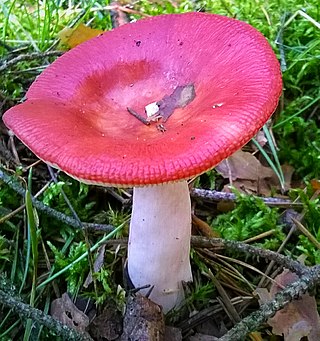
x: 13, y: 183
x: 138, y: 116
x: 28, y: 56
x: 218, y: 244
x: 303, y: 230
x: 228, y: 306
x: 212, y: 196
x: 260, y: 236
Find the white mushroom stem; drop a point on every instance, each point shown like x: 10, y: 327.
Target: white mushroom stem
x: 159, y: 241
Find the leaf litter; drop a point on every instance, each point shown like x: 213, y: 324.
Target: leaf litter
x: 258, y: 180
x: 297, y: 319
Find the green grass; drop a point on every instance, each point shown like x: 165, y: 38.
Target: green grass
x: 43, y: 258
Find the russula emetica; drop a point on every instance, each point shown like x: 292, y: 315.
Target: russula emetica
x: 212, y: 81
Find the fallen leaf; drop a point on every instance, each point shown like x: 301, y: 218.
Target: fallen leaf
x: 243, y: 165
x: 143, y: 319
x: 107, y: 325
x: 261, y: 139
x: 248, y: 175
x: 64, y: 310
x: 261, y: 187
x: 71, y: 37
x: 172, y: 334
x: 204, y: 228
x: 315, y: 183
x: 297, y: 319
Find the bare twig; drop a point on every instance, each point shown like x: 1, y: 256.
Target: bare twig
x: 249, y: 249
x: 260, y: 236
x: 212, y: 196
x: 138, y: 116
x: 207, y: 195
x: 23, y: 206
x: 196, y: 241
x: 288, y: 236
x: 225, y: 299
x: 207, y: 313
x: 218, y: 244
x: 26, y: 311
x: 12, y: 182
x: 306, y: 232
x: 28, y: 56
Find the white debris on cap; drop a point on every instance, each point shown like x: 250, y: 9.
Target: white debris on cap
x: 151, y: 109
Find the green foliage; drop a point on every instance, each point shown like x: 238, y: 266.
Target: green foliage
x: 300, y: 146
x: 30, y: 26
x: 33, y: 239
x: 197, y: 296
x: 77, y: 273
x: 249, y: 218
x: 200, y: 295
x: 53, y: 191
x: 206, y: 180
x: 33, y: 22
x: 311, y: 209
x: 76, y: 192
x: 311, y: 222
x: 8, y: 197
x: 159, y: 7
x: 4, y: 249
x: 117, y: 218
x: 308, y: 249
x: 297, y: 132
x: 33, y: 26
x: 104, y: 278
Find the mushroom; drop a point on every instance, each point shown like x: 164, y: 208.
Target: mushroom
x: 150, y: 105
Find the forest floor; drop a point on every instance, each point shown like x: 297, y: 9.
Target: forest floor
x: 255, y: 218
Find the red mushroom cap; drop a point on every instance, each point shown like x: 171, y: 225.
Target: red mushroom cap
x: 76, y: 118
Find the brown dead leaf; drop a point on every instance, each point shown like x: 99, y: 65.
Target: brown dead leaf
x: 71, y: 37
x: 143, y: 320
x: 315, y: 183
x: 172, y: 334
x: 204, y: 228
x: 287, y: 171
x: 262, y: 187
x: 107, y: 325
x: 297, y: 319
x: 248, y: 175
x: 64, y: 310
x: 261, y: 139
x: 243, y: 165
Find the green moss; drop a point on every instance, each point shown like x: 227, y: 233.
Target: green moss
x: 249, y: 218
